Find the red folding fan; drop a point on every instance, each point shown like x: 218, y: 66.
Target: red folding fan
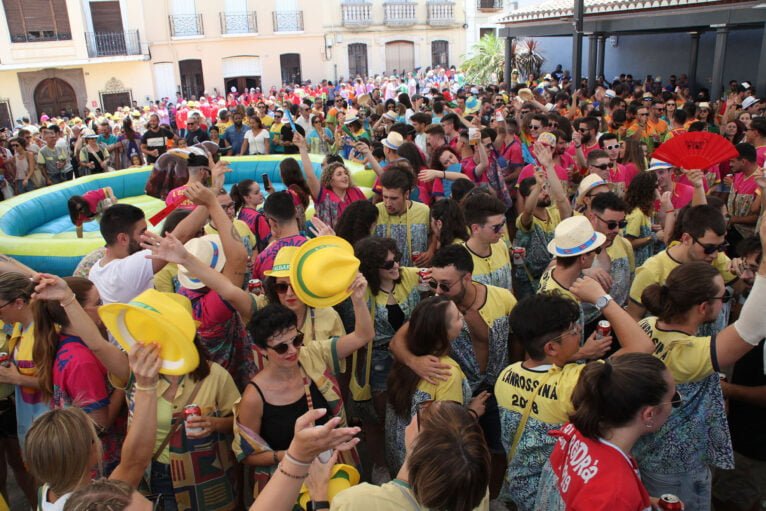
x: 696, y: 150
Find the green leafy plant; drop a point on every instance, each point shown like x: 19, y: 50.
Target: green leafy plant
x: 486, y: 64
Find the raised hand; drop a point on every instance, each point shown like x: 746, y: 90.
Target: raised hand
x: 168, y: 249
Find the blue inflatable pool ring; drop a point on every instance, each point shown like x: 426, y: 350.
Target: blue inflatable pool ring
x: 35, y: 227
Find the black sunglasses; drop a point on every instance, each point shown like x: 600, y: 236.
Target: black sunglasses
x: 389, y: 265
x: 613, y: 224
x: 710, y: 248
x: 603, y: 166
x: 498, y: 227
x: 676, y: 401
x: 441, y: 285
x: 281, y: 348
x: 281, y: 287
x: 725, y: 298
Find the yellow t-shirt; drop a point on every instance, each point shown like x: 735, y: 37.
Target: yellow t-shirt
x: 164, y: 280
x: 547, y: 226
x: 638, y: 223
x: 322, y: 323
x: 410, y: 230
x: 494, y: 270
x: 393, y: 496
x: 687, y: 357
x: 657, y: 268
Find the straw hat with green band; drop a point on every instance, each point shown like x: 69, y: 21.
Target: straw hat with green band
x: 162, y: 318
x: 281, y: 267
x: 322, y: 270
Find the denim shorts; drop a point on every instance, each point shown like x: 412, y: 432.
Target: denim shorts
x: 382, y: 361
x: 162, y: 484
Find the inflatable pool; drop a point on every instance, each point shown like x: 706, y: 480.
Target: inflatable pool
x: 35, y: 227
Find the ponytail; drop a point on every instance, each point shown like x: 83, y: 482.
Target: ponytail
x: 687, y: 285
x: 239, y: 191
x: 610, y: 394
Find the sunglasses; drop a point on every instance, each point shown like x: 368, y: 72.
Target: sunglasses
x: 441, y: 285
x: 389, y: 265
x: 611, y: 147
x: 14, y: 300
x: 603, y: 166
x: 281, y: 348
x: 533, y: 127
x: 583, y: 130
x: 725, y: 298
x: 281, y: 287
x: 613, y: 224
x: 575, y: 330
x: 676, y: 401
x: 709, y: 249
x: 497, y: 227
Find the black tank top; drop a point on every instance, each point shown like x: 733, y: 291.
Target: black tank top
x: 278, y: 421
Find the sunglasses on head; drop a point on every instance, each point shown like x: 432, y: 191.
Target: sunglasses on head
x: 389, y: 265
x: 710, y: 248
x: 281, y: 348
x: 613, y: 224
x: 603, y: 166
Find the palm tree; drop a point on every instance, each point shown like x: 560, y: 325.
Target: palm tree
x: 486, y: 64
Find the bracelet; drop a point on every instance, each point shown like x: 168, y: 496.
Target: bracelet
x: 670, y: 211
x: 295, y: 461
x: 474, y: 412
x: 445, y: 174
x: 70, y: 302
x: 149, y: 389
x: 291, y: 476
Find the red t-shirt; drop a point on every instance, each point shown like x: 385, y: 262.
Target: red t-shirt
x: 760, y: 152
x: 682, y: 195
x: 92, y: 197
x: 512, y: 152
x: 595, y: 475
x: 175, y: 194
x: 586, y: 149
x: 529, y: 171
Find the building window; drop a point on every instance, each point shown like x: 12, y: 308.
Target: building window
x: 485, y: 31
x: 291, y: 68
x: 6, y: 119
x: 38, y: 20
x: 357, y: 60
x: 192, y: 80
x: 440, y: 54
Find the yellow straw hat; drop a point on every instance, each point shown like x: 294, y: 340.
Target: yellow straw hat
x: 207, y: 249
x: 281, y: 267
x: 322, y: 269
x: 163, y: 318
x: 342, y: 477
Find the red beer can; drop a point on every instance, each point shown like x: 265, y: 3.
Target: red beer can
x: 517, y: 255
x: 192, y: 410
x: 424, y: 275
x: 5, y: 358
x: 603, y: 329
x: 255, y: 286
x: 669, y: 502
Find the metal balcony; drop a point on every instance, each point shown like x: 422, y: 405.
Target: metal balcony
x: 111, y: 44
x: 489, y: 5
x: 186, y: 25
x: 288, y: 21
x: 441, y: 13
x: 239, y: 23
x: 356, y: 15
x: 400, y: 14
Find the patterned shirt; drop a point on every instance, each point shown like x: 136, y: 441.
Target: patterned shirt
x: 410, y: 230
x: 494, y: 270
x: 639, y: 226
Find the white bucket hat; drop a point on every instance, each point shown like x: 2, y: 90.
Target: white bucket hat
x: 207, y: 249
x: 393, y: 141
x: 588, y: 183
x: 575, y: 236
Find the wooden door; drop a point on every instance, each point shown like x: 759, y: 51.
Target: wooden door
x: 192, y: 81
x: 357, y: 60
x: 400, y: 56
x: 291, y: 68
x: 111, y: 101
x: 54, y: 94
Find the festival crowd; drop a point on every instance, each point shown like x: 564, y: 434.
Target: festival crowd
x: 528, y: 311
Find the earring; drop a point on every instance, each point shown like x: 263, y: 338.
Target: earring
x: 650, y: 425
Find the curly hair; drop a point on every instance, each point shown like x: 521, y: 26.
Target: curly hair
x: 328, y: 171
x: 372, y: 252
x: 356, y: 221
x: 641, y: 191
x: 436, y: 163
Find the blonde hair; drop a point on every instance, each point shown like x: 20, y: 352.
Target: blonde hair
x: 328, y: 171
x: 58, y: 448
x: 101, y: 495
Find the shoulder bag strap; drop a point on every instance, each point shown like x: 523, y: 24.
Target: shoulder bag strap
x: 177, y: 424
x: 525, y: 415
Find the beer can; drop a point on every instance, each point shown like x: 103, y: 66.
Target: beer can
x: 192, y: 410
x: 415, y: 256
x: 517, y: 255
x: 5, y: 358
x: 255, y: 286
x: 603, y: 329
x: 669, y: 502
x: 425, y: 276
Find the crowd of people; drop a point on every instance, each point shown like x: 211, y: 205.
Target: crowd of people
x: 528, y: 311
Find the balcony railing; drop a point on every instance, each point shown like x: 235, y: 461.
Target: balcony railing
x: 357, y: 15
x: 110, y: 44
x: 400, y: 13
x: 34, y: 36
x: 239, y: 23
x: 489, y: 5
x: 185, y: 25
x: 441, y: 13
x: 288, y: 21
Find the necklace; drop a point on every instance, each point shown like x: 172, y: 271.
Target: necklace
x: 475, y: 297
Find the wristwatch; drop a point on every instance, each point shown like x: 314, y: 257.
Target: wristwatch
x: 316, y: 505
x: 602, y: 302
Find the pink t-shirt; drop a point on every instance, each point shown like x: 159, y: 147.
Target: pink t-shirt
x: 177, y: 193
x: 743, y: 185
x: 760, y: 152
x: 93, y: 197
x: 469, y: 169
x: 529, y: 171
x: 682, y: 195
